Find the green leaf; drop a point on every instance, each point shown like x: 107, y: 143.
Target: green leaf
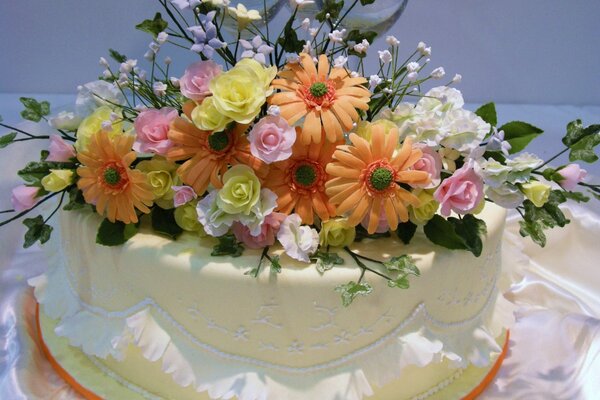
x: 37, y: 230
x: 577, y: 196
x: 533, y: 229
x: 519, y: 134
x: 400, y: 283
x: 551, y: 174
x: 118, y: 57
x: 115, y: 233
x: 487, y: 112
x: 576, y: 132
x: 44, y: 155
x: 33, y: 172
x: 325, y: 261
x: 406, y: 231
x: 350, y: 290
x: 34, y: 110
x: 403, y: 264
x: 331, y: 7
x: 163, y: 222
x: 7, y: 139
x: 275, y: 264
x: 76, y: 200
x: 470, y: 229
x: 441, y: 232
x: 228, y: 246
x: 366, y: 2
x: 584, y: 149
x: 153, y: 26
x: 289, y: 41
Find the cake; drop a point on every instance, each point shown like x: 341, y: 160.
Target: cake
x: 162, y: 318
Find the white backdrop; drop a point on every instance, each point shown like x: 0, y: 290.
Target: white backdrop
x: 511, y: 51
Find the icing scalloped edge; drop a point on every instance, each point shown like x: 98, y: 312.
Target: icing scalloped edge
x: 414, y: 342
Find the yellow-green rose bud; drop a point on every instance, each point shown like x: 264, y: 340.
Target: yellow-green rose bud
x: 57, y: 180
x: 426, y: 210
x: 336, y: 233
x: 186, y: 218
x: 161, y: 177
x: 365, y: 128
x: 537, y: 192
x: 206, y: 117
x: 93, y: 123
x: 240, y: 191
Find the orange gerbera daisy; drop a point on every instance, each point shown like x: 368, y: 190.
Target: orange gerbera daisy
x: 327, y: 100
x: 368, y: 178
x: 209, y: 154
x: 107, y: 181
x: 299, y: 181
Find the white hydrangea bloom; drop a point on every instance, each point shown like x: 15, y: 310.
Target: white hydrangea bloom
x: 162, y: 37
x: 412, y: 76
x: 340, y: 62
x: 457, y: 78
x: 412, y: 66
x: 362, y: 47
x: 463, y: 130
x: 374, y: 80
x: 159, y: 88
x: 299, y: 241
x: 423, y: 49
x: 385, y: 56
x: 337, y: 36
x: 494, y: 173
x: 524, y: 161
x: 438, y: 73
x: 441, y: 98
x: 392, y: 41
x: 507, y: 195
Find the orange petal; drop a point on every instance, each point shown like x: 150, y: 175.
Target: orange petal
x: 350, y: 202
x: 374, y: 216
x: 390, y: 213
x: 377, y: 142
x: 312, y: 128
x: 360, y: 211
x: 319, y: 203
x: 342, y: 116
x: 323, y: 68
x: 308, y: 65
x: 350, y: 160
x: 337, y: 169
x: 332, y: 127
x: 342, y: 192
x: 362, y: 146
x: 304, y: 210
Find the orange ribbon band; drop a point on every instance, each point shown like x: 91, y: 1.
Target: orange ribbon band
x: 88, y: 395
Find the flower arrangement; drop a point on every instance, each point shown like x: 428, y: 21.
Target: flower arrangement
x: 288, y: 140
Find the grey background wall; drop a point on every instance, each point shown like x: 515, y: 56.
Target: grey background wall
x: 511, y: 51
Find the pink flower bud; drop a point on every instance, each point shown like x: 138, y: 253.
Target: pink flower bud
x: 572, y: 174
x: 23, y: 197
x: 60, y: 150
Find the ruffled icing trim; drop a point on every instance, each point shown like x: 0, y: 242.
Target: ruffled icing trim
x: 420, y: 342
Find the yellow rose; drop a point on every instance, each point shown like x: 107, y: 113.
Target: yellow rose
x: 93, y: 123
x: 365, y: 128
x: 265, y: 74
x: 336, y: 233
x: 161, y: 176
x: 240, y: 191
x: 537, y: 192
x: 186, y: 218
x: 426, y: 210
x: 240, y: 93
x: 206, y: 117
x: 57, y: 180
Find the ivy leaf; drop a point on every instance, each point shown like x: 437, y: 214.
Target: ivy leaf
x: 576, y: 132
x: 325, y: 261
x: 537, y: 219
x: 7, y: 139
x: 577, y: 196
x: 534, y: 230
x: 519, y: 134
x: 44, y: 155
x: 470, y: 229
x: 118, y: 57
x: 36, y: 230
x: 76, y: 200
x: 34, y: 110
x: 584, y: 149
x: 441, y: 232
x: 350, y: 290
x: 400, y: 283
x: 331, y: 7
x: 406, y: 231
x: 153, y: 26
x: 404, y: 264
x: 228, y: 246
x: 163, y: 222
x: 115, y: 233
x: 487, y: 112
x: 457, y: 234
x: 275, y: 264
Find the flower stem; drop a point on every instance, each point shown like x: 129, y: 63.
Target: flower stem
x: 19, y: 215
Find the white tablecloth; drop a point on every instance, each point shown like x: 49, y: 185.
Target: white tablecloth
x: 555, y: 344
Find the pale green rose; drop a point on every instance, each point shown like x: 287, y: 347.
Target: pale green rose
x: 57, y: 180
x: 537, y: 192
x: 161, y: 176
x: 240, y: 191
x: 495, y: 174
x: 93, y: 123
x: 206, y: 117
x: 365, y: 128
x: 186, y: 218
x: 426, y: 210
x: 336, y: 233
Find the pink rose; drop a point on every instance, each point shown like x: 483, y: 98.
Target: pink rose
x: 430, y: 162
x: 271, y: 139
x: 60, y: 150
x: 462, y: 192
x: 572, y: 174
x: 383, y: 225
x: 194, y: 82
x: 152, y: 128
x: 23, y: 197
x: 266, y: 237
x: 183, y: 195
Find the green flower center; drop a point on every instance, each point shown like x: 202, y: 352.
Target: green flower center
x: 305, y: 175
x: 381, y: 178
x: 218, y: 141
x: 112, y: 176
x: 318, y: 89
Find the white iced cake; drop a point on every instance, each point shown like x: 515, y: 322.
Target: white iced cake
x: 157, y: 318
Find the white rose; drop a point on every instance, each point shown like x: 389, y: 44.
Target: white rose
x: 298, y: 241
x: 506, y: 195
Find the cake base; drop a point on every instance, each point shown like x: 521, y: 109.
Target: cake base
x: 93, y: 380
